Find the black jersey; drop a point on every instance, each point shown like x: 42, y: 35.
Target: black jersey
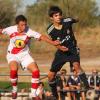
x: 64, y: 35
x: 74, y: 81
x: 94, y: 80
x: 60, y: 82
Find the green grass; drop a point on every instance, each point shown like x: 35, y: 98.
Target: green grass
x: 7, y: 85
x: 21, y: 85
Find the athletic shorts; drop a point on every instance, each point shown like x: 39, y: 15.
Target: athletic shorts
x: 23, y: 59
x: 61, y: 58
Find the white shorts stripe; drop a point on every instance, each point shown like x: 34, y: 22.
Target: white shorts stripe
x: 13, y: 80
x: 35, y: 80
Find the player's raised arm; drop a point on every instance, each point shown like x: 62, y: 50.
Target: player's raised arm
x: 71, y: 20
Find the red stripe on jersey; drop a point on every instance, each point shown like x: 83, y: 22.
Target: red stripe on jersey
x: 15, y: 34
x: 16, y: 50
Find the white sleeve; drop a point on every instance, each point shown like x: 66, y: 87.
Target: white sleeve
x: 33, y: 34
x: 9, y: 30
x: 6, y: 30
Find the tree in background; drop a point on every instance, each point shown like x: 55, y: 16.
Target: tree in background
x: 85, y: 10
x: 8, y: 10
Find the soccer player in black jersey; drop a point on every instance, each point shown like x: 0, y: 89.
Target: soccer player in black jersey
x: 61, y: 29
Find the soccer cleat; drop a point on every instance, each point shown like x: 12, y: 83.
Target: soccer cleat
x: 14, y: 95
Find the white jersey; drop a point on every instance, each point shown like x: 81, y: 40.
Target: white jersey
x: 19, y: 42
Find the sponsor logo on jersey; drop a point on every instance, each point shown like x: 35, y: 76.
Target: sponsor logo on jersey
x: 20, y: 43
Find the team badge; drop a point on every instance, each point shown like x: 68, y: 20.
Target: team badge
x: 19, y: 43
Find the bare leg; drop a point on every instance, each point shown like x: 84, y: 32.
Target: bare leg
x: 83, y: 96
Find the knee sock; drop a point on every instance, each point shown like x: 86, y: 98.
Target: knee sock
x: 35, y: 82
x: 53, y: 87
x: 13, y: 78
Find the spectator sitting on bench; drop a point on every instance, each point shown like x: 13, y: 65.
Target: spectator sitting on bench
x: 94, y: 81
x: 74, y: 83
x: 61, y: 85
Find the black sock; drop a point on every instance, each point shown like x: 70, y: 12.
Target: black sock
x: 84, y: 80
x: 52, y: 84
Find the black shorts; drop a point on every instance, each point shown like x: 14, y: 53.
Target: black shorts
x: 62, y: 57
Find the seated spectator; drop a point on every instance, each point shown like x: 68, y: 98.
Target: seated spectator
x: 61, y: 85
x: 74, y: 84
x: 41, y: 91
x: 48, y: 96
x: 94, y: 81
x: 44, y: 95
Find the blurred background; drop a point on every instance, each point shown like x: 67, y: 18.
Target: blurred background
x: 87, y: 31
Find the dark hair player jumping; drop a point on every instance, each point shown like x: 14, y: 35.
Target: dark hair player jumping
x: 61, y: 29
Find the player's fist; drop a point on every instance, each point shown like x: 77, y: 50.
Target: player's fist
x: 56, y: 42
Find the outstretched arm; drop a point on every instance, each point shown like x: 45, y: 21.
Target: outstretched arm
x: 55, y: 43
x: 45, y: 38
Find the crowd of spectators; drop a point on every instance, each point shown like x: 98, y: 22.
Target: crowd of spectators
x: 71, y: 87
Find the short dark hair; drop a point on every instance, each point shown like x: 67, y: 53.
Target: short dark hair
x: 54, y: 10
x: 20, y: 18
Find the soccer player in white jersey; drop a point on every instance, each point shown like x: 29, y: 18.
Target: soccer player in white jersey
x: 18, y: 52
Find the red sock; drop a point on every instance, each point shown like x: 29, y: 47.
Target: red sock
x: 13, y: 77
x: 35, y: 79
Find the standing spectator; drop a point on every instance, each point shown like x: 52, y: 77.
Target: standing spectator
x: 61, y: 85
x: 74, y: 83
x: 41, y: 91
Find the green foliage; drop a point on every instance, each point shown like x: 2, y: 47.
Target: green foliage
x: 7, y: 12
x: 85, y: 10
x: 21, y: 85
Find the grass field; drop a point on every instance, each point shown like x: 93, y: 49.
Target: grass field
x: 26, y: 86
x: 7, y: 85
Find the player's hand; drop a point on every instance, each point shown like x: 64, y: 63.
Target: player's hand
x: 63, y: 48
x: 56, y: 42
